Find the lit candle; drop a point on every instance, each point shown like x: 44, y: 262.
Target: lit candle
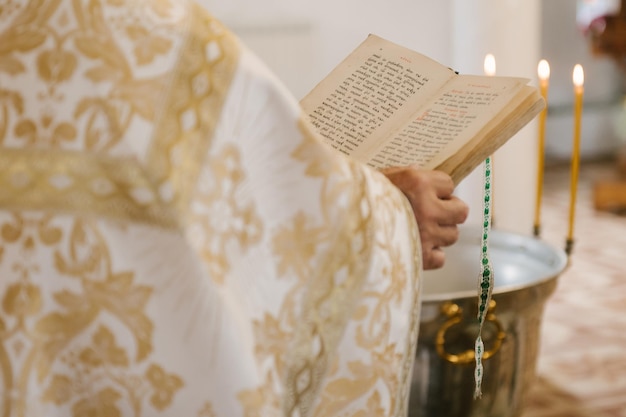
x: 489, y: 65
x: 578, y: 78
x: 543, y: 71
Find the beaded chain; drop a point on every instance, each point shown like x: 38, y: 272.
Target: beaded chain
x: 485, y: 280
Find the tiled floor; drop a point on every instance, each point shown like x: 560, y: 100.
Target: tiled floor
x: 582, y: 362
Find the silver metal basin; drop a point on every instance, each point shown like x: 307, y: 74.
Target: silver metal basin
x: 526, y: 271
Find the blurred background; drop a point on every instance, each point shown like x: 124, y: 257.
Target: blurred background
x: 582, y: 366
x: 301, y: 41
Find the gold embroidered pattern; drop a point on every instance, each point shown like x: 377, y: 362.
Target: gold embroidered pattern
x: 206, y: 410
x: 82, y: 152
x: 41, y: 330
x: 333, y: 285
x: 384, y: 363
x: 115, y: 137
x: 73, y: 182
x: 218, y: 217
x: 330, y: 285
x: 116, y: 119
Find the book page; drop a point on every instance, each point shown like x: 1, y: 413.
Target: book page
x: 527, y: 103
x: 445, y: 124
x: 370, y: 93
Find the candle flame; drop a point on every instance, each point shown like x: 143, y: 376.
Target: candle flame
x: 578, y: 76
x: 490, y: 65
x: 543, y: 70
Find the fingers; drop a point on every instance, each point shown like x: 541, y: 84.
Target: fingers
x: 445, y: 236
x: 433, y: 241
x: 453, y: 211
x: 433, y: 259
x: 443, y: 184
x: 437, y: 211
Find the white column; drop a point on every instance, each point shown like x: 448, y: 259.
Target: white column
x: 510, y: 30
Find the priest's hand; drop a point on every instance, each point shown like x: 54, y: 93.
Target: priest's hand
x: 437, y: 211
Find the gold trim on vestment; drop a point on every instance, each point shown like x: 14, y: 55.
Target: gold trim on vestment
x: 97, y: 182
x: 81, y: 183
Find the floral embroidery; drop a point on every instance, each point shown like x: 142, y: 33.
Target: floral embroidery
x: 56, y: 65
x: 135, y: 154
x: 60, y: 390
x: 81, y: 254
x: 103, y: 404
x: 22, y: 299
x: 45, y: 134
x: 219, y: 217
x: 164, y: 385
x: 207, y: 411
x: 103, y: 351
x: 296, y: 244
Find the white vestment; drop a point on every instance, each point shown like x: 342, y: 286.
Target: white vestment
x: 175, y: 238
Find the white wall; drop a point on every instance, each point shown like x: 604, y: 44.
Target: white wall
x: 564, y: 45
x: 301, y: 43
x: 303, y: 40
x: 510, y: 30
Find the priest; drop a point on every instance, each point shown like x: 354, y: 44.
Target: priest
x: 177, y: 240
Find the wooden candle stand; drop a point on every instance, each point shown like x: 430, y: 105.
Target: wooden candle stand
x: 610, y: 194
x: 607, y: 37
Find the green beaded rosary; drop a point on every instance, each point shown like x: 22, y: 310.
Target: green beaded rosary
x: 485, y: 280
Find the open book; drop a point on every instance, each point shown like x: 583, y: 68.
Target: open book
x: 386, y: 105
